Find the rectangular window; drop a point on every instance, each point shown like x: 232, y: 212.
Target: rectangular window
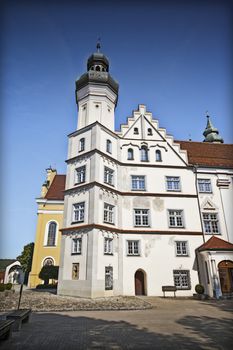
x: 133, y: 248
x: 204, y: 185
x: 108, y: 278
x: 138, y: 182
x: 141, y: 217
x: 75, y: 271
x: 80, y: 174
x: 210, y: 221
x: 173, y: 183
x: 81, y: 145
x: 109, y: 213
x: 108, y: 246
x: 76, y: 245
x: 175, y: 218
x: 182, y: 279
x: 78, y: 212
x: 108, y: 175
x: 181, y: 248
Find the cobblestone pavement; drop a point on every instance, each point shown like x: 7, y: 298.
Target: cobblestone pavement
x: 170, y: 324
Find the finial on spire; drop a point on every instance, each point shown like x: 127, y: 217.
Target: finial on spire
x: 98, y: 45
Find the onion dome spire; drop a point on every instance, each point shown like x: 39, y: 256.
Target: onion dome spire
x: 211, y: 133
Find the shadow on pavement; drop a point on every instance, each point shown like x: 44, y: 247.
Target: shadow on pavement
x: 56, y: 331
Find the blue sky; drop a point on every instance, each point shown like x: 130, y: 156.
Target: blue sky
x: 175, y: 57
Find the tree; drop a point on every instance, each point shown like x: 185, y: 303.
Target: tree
x: 48, y: 272
x: 25, y: 259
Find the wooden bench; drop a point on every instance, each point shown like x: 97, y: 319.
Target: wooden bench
x: 19, y: 316
x: 169, y: 289
x: 6, y: 329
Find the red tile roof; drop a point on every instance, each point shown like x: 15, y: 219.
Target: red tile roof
x: 215, y: 243
x: 208, y: 154
x: 56, y: 190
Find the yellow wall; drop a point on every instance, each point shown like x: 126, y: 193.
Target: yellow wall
x: 41, y: 251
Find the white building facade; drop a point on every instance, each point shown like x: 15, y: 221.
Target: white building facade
x: 133, y: 215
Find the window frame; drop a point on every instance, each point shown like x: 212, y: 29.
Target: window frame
x: 182, y: 254
x: 205, y: 184
x: 213, y: 232
x: 108, y: 175
x: 144, y: 157
x: 82, y: 144
x: 138, y: 182
x: 175, y: 217
x: 78, y: 250
x: 79, y: 169
x: 138, y: 248
x: 180, y: 273
x: 173, y: 189
x: 130, y: 151
x: 142, y: 215
x: 110, y: 210
x: 109, y: 146
x: 108, y: 247
x: 80, y: 209
x: 158, y: 152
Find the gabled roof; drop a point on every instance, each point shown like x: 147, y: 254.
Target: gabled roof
x: 208, y: 154
x: 6, y: 262
x: 215, y: 243
x: 56, y: 190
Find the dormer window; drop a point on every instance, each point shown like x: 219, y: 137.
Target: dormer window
x: 135, y: 131
x: 158, y: 156
x: 130, y: 154
x: 81, y: 145
x: 108, y: 146
x: 144, y: 154
x: 149, y: 132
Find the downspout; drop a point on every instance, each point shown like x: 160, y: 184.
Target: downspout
x: 224, y: 216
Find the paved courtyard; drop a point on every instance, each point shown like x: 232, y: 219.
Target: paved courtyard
x: 170, y: 324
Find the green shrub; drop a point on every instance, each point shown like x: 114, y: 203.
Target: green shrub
x: 8, y: 286
x: 46, y: 286
x: 2, y: 287
x: 49, y: 272
x: 199, y: 289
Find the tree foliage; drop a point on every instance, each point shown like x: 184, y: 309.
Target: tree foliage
x: 48, y: 272
x: 25, y: 258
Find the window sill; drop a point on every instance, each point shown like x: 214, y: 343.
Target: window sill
x: 50, y: 246
x: 168, y: 190
x: 79, y: 183
x: 176, y: 227
x: 130, y: 158
x: 142, y: 226
x: 138, y: 190
x: 182, y: 256
x: 205, y: 192
x: 76, y: 253
x: 133, y: 255
x: 108, y: 254
x: 110, y: 223
x: 77, y: 222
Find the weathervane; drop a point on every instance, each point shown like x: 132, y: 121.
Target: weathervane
x: 98, y: 45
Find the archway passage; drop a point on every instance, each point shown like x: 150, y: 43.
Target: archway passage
x: 226, y: 275
x: 139, y: 281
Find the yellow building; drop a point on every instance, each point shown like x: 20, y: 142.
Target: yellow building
x: 50, y: 218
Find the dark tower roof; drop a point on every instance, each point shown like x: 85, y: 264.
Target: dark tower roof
x: 211, y: 133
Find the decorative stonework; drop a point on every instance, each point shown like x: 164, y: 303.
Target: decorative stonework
x: 223, y: 183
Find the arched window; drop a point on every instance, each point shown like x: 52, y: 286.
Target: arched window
x: 109, y: 146
x: 144, y: 154
x: 158, y: 156
x: 48, y: 261
x: 135, y: 131
x: 51, y: 240
x: 97, y: 68
x: 81, y: 145
x: 149, y: 131
x: 130, y: 154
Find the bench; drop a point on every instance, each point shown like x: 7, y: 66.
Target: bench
x: 169, y: 289
x: 19, y: 316
x: 6, y: 329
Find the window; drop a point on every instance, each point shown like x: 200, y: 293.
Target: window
x: 144, y: 154
x: 173, y: 183
x: 81, y: 145
x: 108, y: 146
x: 108, y: 278
x: 210, y: 223
x: 175, y: 218
x: 80, y: 174
x: 133, y: 248
x: 76, y: 246
x: 78, y: 214
x: 149, y: 131
x: 181, y: 248
x: 108, y: 246
x: 52, y: 229
x: 48, y: 261
x: 109, y: 213
x: 138, y: 182
x: 204, y: 185
x: 108, y: 175
x: 135, y: 131
x: 130, y: 154
x: 158, y: 156
x: 141, y: 217
x: 75, y: 271
x: 182, y: 279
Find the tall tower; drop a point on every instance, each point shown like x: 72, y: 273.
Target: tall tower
x: 96, y: 93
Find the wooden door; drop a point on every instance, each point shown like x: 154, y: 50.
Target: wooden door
x: 226, y: 276
x: 139, y: 283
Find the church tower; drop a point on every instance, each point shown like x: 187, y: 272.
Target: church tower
x: 96, y: 93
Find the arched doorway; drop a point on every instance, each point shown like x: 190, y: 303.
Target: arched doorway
x: 225, y: 269
x: 139, y: 281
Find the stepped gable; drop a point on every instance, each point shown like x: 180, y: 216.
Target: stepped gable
x: 208, y: 154
x: 215, y: 243
x: 56, y: 190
